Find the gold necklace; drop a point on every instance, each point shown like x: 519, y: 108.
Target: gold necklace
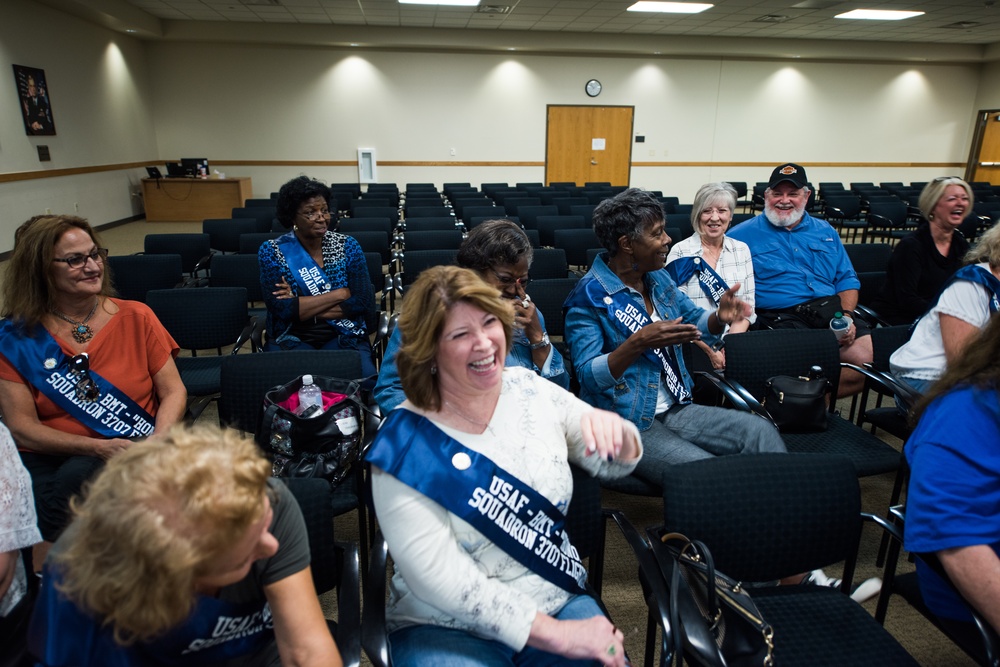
x: 82, y: 332
x: 461, y: 414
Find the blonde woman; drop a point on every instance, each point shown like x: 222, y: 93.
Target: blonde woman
x: 184, y: 551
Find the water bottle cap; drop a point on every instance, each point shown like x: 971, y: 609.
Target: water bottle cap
x: 307, y: 379
x: 838, y: 314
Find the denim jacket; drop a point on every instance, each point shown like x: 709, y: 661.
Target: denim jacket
x: 389, y: 390
x: 592, y: 336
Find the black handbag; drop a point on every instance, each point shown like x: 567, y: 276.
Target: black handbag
x: 718, y: 621
x: 325, y: 445
x: 797, y: 404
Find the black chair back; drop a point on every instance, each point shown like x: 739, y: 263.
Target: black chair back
x: 135, y: 275
x: 251, y: 243
x: 224, y: 233
x: 193, y: 248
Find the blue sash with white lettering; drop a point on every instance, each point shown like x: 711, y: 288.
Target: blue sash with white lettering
x: 45, y: 366
x: 63, y: 635
x: 307, y: 273
x: 711, y: 283
x: 511, y: 514
x: 589, y: 293
x: 976, y: 274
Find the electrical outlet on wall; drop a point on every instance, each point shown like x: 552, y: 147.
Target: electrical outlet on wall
x: 453, y: 151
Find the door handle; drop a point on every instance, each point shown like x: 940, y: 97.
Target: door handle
x: 593, y: 161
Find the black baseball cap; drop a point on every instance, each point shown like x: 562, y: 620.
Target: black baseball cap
x: 790, y: 172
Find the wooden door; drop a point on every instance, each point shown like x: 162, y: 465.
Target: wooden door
x: 984, y: 159
x: 588, y: 144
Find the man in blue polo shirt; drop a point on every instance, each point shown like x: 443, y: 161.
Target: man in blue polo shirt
x: 799, y: 263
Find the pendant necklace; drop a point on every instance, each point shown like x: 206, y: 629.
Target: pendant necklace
x: 480, y: 424
x: 82, y: 332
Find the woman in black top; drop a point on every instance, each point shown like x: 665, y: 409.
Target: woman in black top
x: 924, y: 259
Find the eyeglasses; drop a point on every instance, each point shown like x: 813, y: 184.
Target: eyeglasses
x: 313, y: 216
x: 78, y: 261
x: 86, y: 389
x: 510, y: 281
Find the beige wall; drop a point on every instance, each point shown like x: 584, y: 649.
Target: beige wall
x: 98, y: 87
x: 117, y: 100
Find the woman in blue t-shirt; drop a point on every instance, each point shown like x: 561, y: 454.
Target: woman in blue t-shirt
x: 953, y: 504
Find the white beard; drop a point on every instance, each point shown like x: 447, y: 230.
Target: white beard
x: 783, y: 219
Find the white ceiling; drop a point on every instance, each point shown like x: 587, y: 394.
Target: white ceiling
x: 732, y: 28
x: 805, y: 19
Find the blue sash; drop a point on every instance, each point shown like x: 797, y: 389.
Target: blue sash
x: 712, y: 284
x: 62, y: 634
x: 308, y: 275
x: 589, y: 293
x: 511, y: 514
x: 976, y: 274
x: 46, y: 367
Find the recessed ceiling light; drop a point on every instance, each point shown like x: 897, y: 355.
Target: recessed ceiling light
x: 457, y: 3
x: 878, y: 15
x: 130, y: 30
x: 670, y: 7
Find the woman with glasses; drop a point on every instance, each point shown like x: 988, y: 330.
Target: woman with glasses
x: 315, y: 281
x: 924, y: 259
x: 82, y: 373
x: 500, y: 252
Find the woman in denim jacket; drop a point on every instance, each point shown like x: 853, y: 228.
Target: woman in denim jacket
x: 625, y: 323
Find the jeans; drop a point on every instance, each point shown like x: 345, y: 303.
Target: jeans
x: 420, y: 645
x: 692, y: 432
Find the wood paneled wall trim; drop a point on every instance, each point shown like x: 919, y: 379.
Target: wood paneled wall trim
x: 72, y: 171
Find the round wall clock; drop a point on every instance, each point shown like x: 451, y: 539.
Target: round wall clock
x: 593, y: 88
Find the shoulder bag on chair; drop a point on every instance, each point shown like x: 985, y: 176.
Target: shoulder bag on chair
x: 718, y: 621
x: 797, y: 404
x: 325, y: 445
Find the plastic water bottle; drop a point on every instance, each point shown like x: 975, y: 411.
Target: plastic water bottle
x: 839, y: 325
x: 309, y: 396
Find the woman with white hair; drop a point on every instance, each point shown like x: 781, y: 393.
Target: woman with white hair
x: 706, y: 263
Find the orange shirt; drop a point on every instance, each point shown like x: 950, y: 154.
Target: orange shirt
x: 130, y: 349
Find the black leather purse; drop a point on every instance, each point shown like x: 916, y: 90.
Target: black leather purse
x: 325, y: 445
x: 797, y: 404
x: 718, y: 620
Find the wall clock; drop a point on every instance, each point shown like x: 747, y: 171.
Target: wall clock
x: 593, y: 87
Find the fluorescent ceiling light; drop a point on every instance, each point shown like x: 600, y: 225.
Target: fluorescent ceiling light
x: 456, y: 3
x: 878, y: 15
x: 670, y: 7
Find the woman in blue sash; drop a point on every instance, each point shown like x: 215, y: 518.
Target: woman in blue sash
x: 315, y: 281
x: 967, y: 302
x: 500, y: 252
x: 706, y: 263
x: 184, y: 552
x: 471, y: 481
x: 625, y: 323
x: 82, y: 374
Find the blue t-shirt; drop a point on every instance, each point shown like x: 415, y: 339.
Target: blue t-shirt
x: 954, y: 493
x: 792, y: 266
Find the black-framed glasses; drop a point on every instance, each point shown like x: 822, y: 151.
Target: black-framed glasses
x: 510, y: 281
x: 86, y: 389
x: 78, y: 261
x: 313, y: 216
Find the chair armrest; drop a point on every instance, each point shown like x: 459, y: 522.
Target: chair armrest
x: 887, y: 383
x: 738, y: 395
x: 247, y: 335
x: 869, y: 316
x: 833, y: 212
x: 374, y: 637
x: 204, y: 264
x: 349, y: 605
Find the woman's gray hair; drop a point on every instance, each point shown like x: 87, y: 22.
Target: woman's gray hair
x: 987, y: 248
x: 626, y: 214
x: 494, y: 243
x: 934, y: 190
x: 709, y: 194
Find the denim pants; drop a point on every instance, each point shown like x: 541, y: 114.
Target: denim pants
x: 420, y: 645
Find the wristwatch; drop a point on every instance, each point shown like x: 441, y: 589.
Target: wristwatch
x: 544, y: 342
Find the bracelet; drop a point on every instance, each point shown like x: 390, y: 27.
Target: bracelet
x: 544, y: 342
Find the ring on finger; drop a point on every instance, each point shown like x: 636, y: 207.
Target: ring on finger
x: 611, y: 650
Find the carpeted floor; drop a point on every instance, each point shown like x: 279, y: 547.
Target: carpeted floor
x: 622, y: 593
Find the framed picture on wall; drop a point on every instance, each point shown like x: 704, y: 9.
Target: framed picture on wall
x: 33, y: 95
